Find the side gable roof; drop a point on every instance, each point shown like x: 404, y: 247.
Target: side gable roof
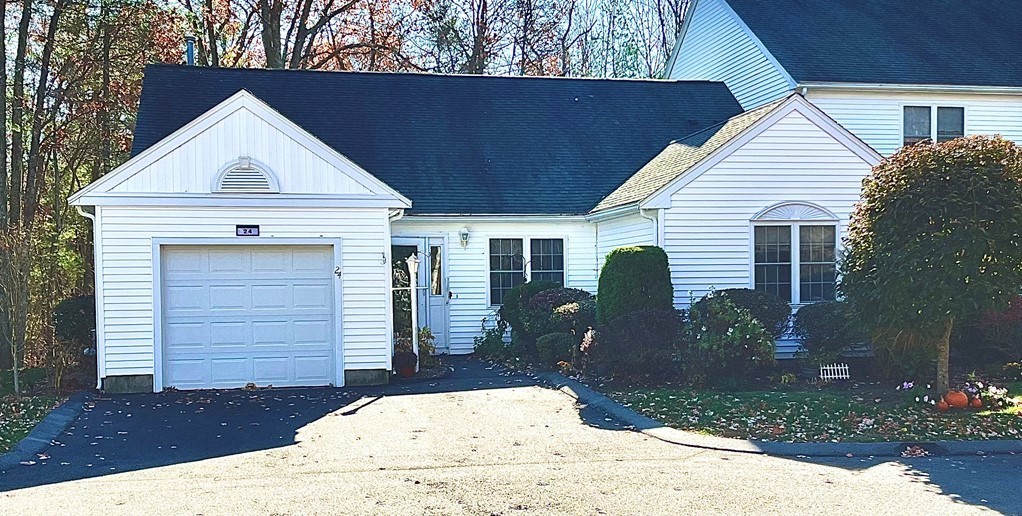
x: 458, y: 145
x: 242, y: 100
x: 684, y: 160
x: 680, y: 156
x: 936, y: 42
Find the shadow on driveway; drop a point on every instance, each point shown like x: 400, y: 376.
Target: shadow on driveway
x: 119, y: 433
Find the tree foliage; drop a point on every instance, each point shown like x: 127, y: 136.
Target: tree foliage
x: 937, y: 237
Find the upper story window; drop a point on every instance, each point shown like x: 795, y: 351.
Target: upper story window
x: 939, y: 124
x: 245, y: 176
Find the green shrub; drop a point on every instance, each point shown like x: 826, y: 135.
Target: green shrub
x: 575, y: 317
x: 556, y: 347
x: 540, y: 315
x: 902, y: 354
x: 641, y: 345
x: 827, y: 329
x: 726, y: 342
x: 74, y: 320
x: 513, y: 310
x: 632, y: 279
x: 769, y: 309
x: 490, y: 343
x: 1013, y: 371
x: 1001, y: 333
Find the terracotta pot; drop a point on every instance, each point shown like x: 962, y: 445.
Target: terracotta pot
x: 406, y: 372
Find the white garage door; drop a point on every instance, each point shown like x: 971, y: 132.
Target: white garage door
x: 243, y: 314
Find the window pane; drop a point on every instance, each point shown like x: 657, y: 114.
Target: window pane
x: 917, y: 124
x: 507, y: 267
x: 547, y: 259
x: 772, y: 255
x: 817, y: 267
x: 436, y: 273
x: 950, y: 123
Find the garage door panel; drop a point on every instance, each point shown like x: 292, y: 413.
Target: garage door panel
x: 250, y: 314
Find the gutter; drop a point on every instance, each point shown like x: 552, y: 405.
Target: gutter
x: 929, y: 88
x: 96, y: 285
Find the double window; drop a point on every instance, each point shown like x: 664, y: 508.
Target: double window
x: 938, y: 124
x: 797, y: 262
x: 509, y: 264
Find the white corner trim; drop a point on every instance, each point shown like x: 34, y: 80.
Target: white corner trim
x: 792, y: 83
x: 794, y: 103
x: 927, y: 88
x: 232, y: 200
x: 240, y: 100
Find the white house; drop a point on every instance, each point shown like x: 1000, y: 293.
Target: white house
x: 891, y: 72
x: 250, y: 238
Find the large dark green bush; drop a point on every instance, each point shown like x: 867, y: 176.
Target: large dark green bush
x: 74, y: 320
x: 935, y: 240
x: 726, y: 342
x: 769, y: 309
x: 827, y: 329
x: 542, y: 314
x: 553, y: 348
x: 575, y: 317
x: 641, y: 345
x: 634, y: 278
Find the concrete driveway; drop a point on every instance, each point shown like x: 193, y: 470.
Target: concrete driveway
x: 481, y: 442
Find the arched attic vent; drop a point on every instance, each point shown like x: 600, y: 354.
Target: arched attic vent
x: 795, y: 211
x: 245, y: 175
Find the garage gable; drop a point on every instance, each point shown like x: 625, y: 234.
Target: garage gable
x: 240, y: 152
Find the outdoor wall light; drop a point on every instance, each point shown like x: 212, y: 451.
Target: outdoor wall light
x: 463, y: 236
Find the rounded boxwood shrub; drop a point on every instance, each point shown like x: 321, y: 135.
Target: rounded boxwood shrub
x: 553, y: 348
x: 634, y: 278
x: 770, y: 310
x: 641, y: 345
x: 74, y: 320
x: 540, y: 315
x: 726, y: 342
x: 826, y: 329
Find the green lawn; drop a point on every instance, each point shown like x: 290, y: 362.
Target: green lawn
x: 19, y: 416
x: 817, y: 416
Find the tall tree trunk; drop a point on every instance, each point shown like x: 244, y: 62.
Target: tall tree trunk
x: 3, y: 123
x: 269, y: 18
x: 944, y: 358
x: 35, y: 160
x: 17, y: 116
x: 208, y: 17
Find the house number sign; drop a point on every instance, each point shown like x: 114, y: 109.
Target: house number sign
x: 249, y: 231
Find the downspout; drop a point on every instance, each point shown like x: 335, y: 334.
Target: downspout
x: 96, y: 272
x: 656, y: 225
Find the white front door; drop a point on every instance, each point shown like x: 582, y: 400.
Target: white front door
x: 432, y: 293
x: 234, y: 315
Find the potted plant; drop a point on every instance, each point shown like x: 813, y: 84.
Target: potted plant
x: 404, y: 363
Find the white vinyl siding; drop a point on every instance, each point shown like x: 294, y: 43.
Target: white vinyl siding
x: 468, y: 267
x: 708, y: 228
x: 717, y: 47
x: 876, y: 117
x: 125, y: 235
x: 628, y: 230
x: 192, y: 167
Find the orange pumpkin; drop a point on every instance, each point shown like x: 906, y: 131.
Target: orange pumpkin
x: 957, y: 399
x: 977, y: 403
x: 942, y: 405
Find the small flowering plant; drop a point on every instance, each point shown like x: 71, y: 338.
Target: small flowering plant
x: 919, y: 393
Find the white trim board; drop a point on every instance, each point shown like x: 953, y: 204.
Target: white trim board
x: 794, y: 103
x: 240, y: 100
x: 157, y: 269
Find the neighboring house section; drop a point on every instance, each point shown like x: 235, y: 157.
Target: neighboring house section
x: 760, y: 201
x: 716, y: 45
x: 891, y: 73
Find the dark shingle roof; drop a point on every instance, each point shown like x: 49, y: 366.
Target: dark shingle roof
x: 460, y: 144
x: 936, y: 42
x: 680, y: 156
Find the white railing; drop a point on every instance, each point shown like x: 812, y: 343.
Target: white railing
x: 834, y: 372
